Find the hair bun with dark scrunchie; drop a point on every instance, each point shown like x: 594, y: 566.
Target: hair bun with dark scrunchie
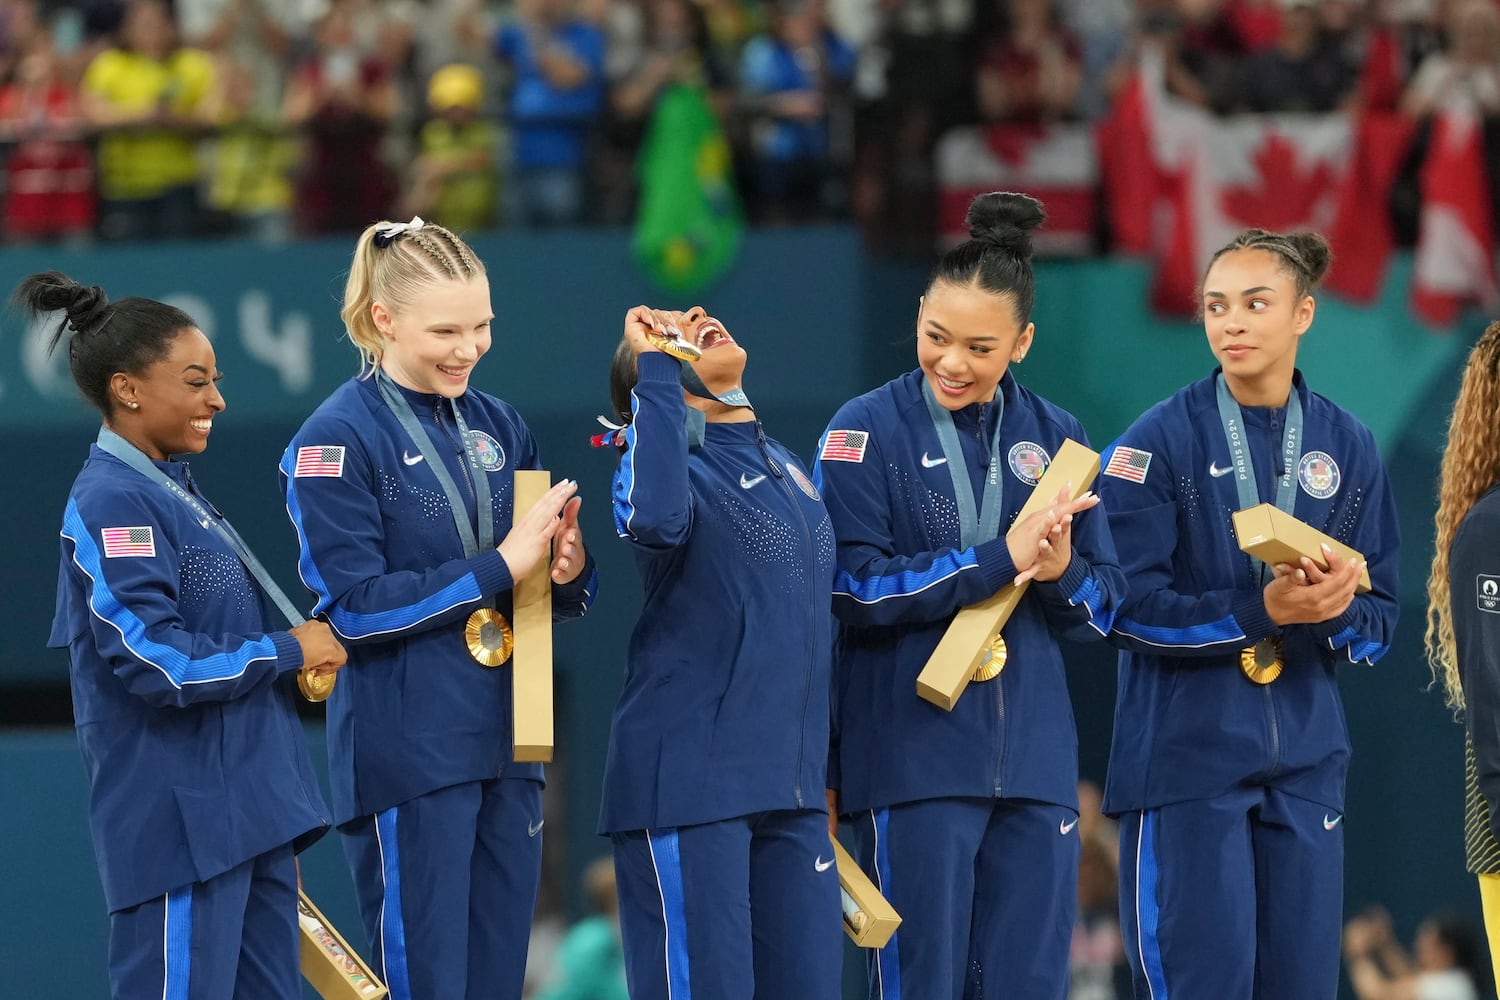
x: 85, y: 307
x: 1004, y: 219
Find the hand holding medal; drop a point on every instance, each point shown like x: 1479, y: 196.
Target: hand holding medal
x: 322, y: 656
x: 660, y: 330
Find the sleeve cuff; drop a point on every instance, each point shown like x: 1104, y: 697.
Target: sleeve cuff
x: 1335, y: 625
x: 288, y: 652
x: 1249, y: 611
x: 581, y: 590
x: 654, y: 366
x: 490, y: 571
x: 995, y: 564
x: 1070, y: 583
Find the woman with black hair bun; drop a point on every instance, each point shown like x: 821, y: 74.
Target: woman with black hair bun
x: 965, y: 819
x: 201, y: 790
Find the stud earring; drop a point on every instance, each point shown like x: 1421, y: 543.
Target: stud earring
x: 134, y: 405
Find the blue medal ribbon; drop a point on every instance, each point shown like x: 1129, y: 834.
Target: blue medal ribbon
x: 1245, y: 482
x: 975, y: 523
x: 484, y: 514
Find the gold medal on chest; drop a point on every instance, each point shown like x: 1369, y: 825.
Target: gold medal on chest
x: 1262, y: 662
x: 489, y: 637
x: 993, y: 661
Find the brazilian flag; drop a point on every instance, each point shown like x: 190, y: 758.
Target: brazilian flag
x: 689, y: 222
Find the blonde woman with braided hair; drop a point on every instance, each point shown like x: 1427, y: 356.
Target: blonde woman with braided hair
x: 400, y: 487
x: 1463, y: 607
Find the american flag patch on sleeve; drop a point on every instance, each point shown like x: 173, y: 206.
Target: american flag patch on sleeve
x: 1129, y: 463
x: 845, y: 446
x: 320, y: 460
x: 118, y: 542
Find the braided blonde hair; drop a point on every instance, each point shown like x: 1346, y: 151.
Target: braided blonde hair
x: 394, y: 274
x: 1471, y: 465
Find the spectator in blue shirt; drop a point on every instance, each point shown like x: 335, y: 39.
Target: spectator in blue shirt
x: 555, y: 98
x: 793, y: 81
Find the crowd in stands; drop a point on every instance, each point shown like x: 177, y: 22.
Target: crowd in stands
x: 132, y: 119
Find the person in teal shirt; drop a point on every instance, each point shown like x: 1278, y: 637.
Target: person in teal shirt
x: 590, y: 963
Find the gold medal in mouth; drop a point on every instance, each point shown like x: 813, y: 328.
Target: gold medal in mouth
x: 670, y: 341
x: 1262, y: 662
x: 489, y: 637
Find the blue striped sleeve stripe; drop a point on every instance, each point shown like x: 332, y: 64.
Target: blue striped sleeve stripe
x: 625, y: 481
x: 311, y: 578
x: 1091, y: 596
x: 1360, y: 648
x: 1190, y: 637
x: 363, y: 625
x: 178, y: 667
x: 874, y: 589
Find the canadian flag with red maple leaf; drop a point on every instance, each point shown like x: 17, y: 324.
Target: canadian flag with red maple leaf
x: 1222, y: 175
x: 1215, y: 176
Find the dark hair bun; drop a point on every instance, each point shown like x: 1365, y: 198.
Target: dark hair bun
x: 49, y: 291
x: 83, y: 312
x: 1317, y: 255
x: 1005, y: 219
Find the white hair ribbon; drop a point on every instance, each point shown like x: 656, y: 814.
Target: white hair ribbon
x: 386, y: 234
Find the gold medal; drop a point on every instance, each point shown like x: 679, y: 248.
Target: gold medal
x: 316, y: 686
x: 1262, y: 661
x: 489, y: 637
x: 669, y: 341
x: 993, y: 661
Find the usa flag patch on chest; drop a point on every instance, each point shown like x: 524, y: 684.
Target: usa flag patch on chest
x: 319, y: 460
x: 845, y: 446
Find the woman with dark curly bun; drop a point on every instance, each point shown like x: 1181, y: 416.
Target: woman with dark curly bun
x: 200, y: 787
x: 966, y: 819
x: 1230, y: 750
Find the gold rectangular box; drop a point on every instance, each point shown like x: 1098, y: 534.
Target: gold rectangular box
x: 531, y: 661
x: 1272, y: 535
x: 869, y: 919
x: 963, y: 645
x: 333, y: 968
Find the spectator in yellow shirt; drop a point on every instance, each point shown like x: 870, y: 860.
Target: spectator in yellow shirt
x: 454, y: 180
x: 148, y: 96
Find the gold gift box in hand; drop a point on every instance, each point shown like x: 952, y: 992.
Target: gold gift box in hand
x: 869, y: 919
x: 1273, y: 536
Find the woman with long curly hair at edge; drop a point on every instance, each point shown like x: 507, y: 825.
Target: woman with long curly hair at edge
x: 1463, y: 608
